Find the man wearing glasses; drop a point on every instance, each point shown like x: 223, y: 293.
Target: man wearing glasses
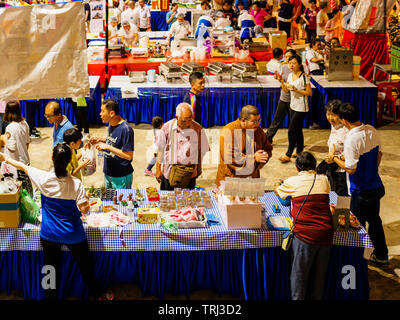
x: 244, y: 147
x: 53, y: 114
x: 180, y: 142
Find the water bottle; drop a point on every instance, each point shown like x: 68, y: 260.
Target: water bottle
x: 100, y: 158
x: 130, y: 210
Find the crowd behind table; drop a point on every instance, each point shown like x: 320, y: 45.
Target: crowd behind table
x: 354, y: 148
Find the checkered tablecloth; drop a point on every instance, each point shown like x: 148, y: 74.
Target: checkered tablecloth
x: 152, y: 237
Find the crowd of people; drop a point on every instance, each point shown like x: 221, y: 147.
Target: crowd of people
x: 308, y: 20
x: 180, y: 144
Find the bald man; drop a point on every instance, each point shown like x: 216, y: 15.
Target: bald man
x: 244, y: 147
x: 53, y: 114
x: 181, y: 144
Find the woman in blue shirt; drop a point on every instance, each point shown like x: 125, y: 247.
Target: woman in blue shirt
x: 63, y: 203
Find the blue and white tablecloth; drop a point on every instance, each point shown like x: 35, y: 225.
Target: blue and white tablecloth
x: 152, y: 237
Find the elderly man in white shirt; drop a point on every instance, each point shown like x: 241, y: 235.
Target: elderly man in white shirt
x: 180, y: 28
x: 144, y: 17
x: 129, y: 34
x: 131, y: 14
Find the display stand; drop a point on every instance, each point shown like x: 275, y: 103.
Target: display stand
x: 227, y: 46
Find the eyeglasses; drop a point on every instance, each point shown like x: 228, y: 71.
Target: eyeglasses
x: 49, y: 115
x: 255, y: 121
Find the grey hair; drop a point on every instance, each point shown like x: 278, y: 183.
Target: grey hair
x: 180, y: 107
x: 125, y: 23
x: 114, y: 19
x: 180, y: 15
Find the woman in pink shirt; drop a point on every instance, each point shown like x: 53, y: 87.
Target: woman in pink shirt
x: 259, y: 14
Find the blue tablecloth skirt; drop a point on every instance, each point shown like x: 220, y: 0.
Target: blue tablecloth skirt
x: 364, y: 98
x: 220, y: 105
x: 93, y: 108
x: 253, y: 274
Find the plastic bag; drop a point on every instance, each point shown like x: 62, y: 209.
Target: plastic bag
x: 89, y: 154
x: 29, y: 209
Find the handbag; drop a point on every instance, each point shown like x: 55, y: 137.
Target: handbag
x: 288, y: 236
x: 180, y: 175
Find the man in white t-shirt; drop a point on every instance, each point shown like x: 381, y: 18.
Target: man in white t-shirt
x: 314, y: 58
x: 129, y: 34
x: 131, y: 14
x: 115, y: 10
x: 144, y: 17
x: 275, y: 65
x: 322, y: 19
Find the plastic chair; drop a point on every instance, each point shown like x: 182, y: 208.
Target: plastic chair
x: 385, y: 89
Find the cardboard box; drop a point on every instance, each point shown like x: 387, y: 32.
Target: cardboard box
x: 10, y: 216
x: 277, y: 39
x: 239, y: 215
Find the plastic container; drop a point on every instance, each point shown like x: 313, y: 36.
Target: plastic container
x: 100, y: 158
x: 356, y: 67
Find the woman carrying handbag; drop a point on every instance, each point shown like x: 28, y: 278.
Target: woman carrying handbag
x: 312, y: 228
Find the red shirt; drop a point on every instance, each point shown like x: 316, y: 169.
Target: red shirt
x: 296, y: 4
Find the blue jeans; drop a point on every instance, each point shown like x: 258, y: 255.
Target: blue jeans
x: 152, y: 162
x: 124, y: 182
x: 309, y: 270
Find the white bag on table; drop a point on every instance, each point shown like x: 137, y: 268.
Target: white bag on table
x: 89, y: 154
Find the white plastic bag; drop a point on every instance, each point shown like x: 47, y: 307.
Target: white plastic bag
x: 89, y: 154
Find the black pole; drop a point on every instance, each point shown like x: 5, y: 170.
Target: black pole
x: 106, y: 53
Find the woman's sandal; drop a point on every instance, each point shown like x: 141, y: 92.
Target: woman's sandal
x: 284, y: 159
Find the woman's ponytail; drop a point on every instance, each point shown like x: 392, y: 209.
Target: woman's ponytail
x: 62, y: 155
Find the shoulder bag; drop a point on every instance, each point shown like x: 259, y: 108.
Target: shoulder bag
x: 288, y: 236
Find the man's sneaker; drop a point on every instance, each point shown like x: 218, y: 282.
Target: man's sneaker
x: 377, y: 261
x: 149, y: 173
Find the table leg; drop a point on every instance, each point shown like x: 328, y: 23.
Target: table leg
x: 374, y: 76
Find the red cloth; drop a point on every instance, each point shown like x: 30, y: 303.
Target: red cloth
x: 314, y: 224
x: 371, y: 47
x: 262, y: 55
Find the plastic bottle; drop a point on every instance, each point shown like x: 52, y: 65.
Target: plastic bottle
x: 100, y: 158
x: 130, y: 210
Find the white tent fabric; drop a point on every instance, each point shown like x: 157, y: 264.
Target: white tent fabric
x: 43, y: 52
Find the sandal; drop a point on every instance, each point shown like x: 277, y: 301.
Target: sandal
x: 284, y: 159
x: 294, y: 155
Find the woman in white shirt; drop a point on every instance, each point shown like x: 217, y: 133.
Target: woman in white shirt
x: 64, y: 201
x: 336, y: 175
x: 299, y: 86
x: 17, y: 141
